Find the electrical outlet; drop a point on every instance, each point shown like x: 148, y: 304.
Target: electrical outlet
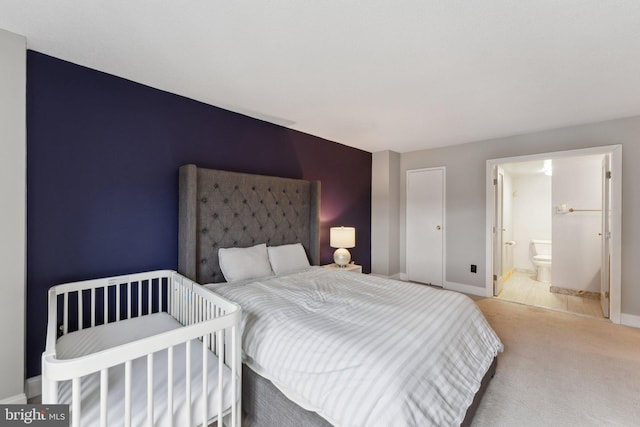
x: 474, y: 268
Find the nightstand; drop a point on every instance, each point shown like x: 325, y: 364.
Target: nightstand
x: 350, y: 267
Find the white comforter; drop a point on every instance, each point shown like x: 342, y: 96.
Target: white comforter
x: 363, y: 350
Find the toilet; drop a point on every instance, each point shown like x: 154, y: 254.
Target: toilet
x: 541, y: 258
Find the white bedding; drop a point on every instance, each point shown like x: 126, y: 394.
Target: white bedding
x: 87, y: 341
x: 363, y: 350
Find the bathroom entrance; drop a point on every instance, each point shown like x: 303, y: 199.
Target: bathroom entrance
x: 553, y: 225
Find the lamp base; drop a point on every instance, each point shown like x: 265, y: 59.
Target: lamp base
x: 341, y: 257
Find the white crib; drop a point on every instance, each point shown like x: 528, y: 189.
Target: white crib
x: 140, y: 349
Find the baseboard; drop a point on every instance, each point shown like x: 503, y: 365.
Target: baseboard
x: 33, y: 386
x: 467, y: 289
x: 384, y: 276
x: 458, y: 287
x: 19, y: 399
x: 630, y: 320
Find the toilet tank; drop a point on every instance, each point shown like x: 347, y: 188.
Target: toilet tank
x: 541, y: 247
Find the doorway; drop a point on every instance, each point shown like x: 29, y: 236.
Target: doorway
x: 425, y: 225
x: 581, y: 231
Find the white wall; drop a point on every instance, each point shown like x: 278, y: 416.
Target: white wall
x: 12, y: 214
x: 465, y: 197
x: 577, y: 182
x: 531, y: 216
x: 385, y: 206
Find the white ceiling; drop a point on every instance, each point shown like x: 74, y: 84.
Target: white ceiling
x: 377, y: 74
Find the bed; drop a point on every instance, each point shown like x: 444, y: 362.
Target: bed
x: 140, y: 349
x: 417, y: 372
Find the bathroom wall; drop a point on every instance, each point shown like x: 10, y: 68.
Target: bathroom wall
x: 531, y: 198
x: 577, y: 182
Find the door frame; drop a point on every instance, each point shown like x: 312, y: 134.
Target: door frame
x: 615, y: 151
x: 498, y: 212
x: 444, y: 216
x: 605, y: 243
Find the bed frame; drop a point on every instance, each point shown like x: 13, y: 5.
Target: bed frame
x: 223, y: 209
x: 102, y: 303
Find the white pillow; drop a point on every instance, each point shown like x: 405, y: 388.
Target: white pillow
x: 287, y: 258
x: 244, y: 263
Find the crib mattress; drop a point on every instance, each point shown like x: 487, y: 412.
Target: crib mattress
x: 81, y: 343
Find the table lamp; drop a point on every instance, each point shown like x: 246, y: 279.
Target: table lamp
x: 342, y: 238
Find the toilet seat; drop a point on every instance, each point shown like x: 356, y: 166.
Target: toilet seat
x: 542, y: 258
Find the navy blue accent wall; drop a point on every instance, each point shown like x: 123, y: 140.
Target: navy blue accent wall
x: 102, y: 176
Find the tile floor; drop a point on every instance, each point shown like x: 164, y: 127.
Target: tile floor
x: 524, y: 289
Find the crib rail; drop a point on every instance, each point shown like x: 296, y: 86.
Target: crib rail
x: 205, y: 316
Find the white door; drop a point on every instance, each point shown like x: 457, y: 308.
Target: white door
x: 498, y: 255
x: 605, y: 235
x: 425, y: 225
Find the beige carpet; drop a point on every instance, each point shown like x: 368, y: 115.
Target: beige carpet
x: 560, y: 369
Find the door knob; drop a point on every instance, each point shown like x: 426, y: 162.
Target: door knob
x: 438, y: 227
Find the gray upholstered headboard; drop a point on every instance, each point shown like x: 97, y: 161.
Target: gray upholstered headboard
x: 221, y: 209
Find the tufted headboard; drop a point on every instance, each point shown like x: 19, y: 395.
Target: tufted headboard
x: 221, y: 209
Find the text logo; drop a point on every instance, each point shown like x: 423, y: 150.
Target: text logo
x: 34, y: 415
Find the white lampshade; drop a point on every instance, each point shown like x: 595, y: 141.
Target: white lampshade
x: 342, y: 237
